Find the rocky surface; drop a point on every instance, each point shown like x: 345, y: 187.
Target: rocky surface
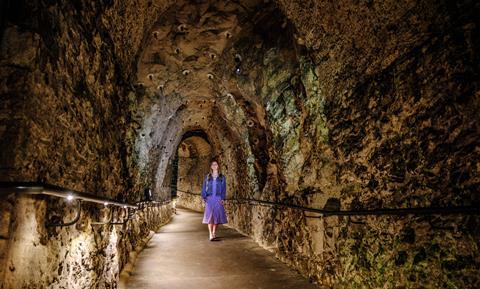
x: 66, y: 73
x: 81, y: 256
x: 355, y: 104
x: 367, y: 109
x: 194, y: 156
x: 190, y: 201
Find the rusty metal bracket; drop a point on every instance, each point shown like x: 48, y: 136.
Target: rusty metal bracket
x: 72, y: 222
x: 128, y: 216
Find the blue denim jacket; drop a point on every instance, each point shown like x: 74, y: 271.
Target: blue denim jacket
x: 221, y: 187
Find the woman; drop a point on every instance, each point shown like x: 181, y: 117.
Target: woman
x: 213, y: 194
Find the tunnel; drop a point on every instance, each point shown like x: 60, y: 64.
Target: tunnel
x: 347, y: 136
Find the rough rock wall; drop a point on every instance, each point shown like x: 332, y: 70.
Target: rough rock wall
x: 366, y: 103
x: 374, y: 105
x: 190, y: 201
x: 191, y: 171
x: 401, y: 90
x: 81, y: 256
x: 66, y: 101
x: 65, y: 106
x: 6, y: 208
x: 194, y: 155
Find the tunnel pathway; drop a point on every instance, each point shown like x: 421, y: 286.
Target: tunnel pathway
x: 180, y: 256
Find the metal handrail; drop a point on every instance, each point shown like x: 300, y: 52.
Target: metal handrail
x: 78, y: 213
x: 188, y: 192
x: 382, y: 211
x: 32, y: 188
x: 364, y: 212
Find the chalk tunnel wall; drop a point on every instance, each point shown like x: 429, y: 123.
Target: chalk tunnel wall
x: 365, y: 105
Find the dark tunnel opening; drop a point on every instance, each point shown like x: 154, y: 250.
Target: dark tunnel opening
x: 194, y: 153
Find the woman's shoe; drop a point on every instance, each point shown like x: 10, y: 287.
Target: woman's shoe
x: 211, y: 237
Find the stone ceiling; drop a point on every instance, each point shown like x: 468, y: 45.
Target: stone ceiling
x: 184, y: 51
x: 188, y: 74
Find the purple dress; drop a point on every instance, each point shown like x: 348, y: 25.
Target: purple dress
x: 213, y: 192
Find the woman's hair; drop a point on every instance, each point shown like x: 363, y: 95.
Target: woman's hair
x: 210, y: 170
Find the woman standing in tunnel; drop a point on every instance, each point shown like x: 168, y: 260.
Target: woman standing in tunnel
x: 213, y: 194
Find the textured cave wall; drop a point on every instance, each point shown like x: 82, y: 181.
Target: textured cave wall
x: 193, y: 164
x: 181, y: 92
x: 67, y: 118
x: 66, y: 92
x: 374, y: 104
x: 80, y: 256
x: 364, y: 103
x: 194, y: 155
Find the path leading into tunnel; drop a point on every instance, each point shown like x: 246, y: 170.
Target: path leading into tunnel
x: 180, y: 256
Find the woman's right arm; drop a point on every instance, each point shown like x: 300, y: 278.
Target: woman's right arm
x: 204, y: 189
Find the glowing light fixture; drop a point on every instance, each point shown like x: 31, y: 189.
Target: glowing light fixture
x: 105, y: 204
x: 69, y: 197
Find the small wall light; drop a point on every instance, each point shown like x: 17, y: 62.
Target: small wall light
x: 182, y: 27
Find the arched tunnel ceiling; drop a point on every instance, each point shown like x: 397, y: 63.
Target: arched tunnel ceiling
x: 187, y: 70
x: 189, y: 55
x: 194, y: 147
x: 361, y: 105
x: 186, y: 43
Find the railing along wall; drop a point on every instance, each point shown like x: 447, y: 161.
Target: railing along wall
x: 188, y: 192
x: 29, y: 188
x: 466, y: 210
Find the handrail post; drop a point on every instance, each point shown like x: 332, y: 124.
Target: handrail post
x: 72, y: 222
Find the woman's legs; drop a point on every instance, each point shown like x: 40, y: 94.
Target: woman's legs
x: 212, y: 227
x: 210, y: 230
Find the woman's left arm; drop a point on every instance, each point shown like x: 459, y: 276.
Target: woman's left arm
x: 224, y: 188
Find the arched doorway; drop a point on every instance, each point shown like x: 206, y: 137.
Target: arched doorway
x: 192, y: 160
